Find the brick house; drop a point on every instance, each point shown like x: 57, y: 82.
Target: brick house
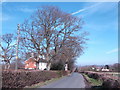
x: 33, y: 63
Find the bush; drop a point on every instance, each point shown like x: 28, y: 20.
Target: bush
x: 57, y: 66
x: 20, y: 79
x: 109, y: 83
x: 93, y: 75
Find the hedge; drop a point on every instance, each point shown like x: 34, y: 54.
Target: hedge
x: 22, y: 78
x: 108, y: 81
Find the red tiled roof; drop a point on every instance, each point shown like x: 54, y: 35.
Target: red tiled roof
x: 30, y: 60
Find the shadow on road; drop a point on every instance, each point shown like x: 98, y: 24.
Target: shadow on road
x: 97, y: 87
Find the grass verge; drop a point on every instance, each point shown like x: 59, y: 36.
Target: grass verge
x: 38, y: 85
x: 93, y: 82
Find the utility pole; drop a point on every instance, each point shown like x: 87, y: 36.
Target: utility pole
x: 17, y: 45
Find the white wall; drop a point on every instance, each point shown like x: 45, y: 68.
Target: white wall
x: 42, y: 65
x: 66, y: 67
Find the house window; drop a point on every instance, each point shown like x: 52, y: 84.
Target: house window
x: 26, y: 64
x: 34, y: 64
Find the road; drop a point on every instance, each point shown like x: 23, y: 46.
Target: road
x: 75, y: 80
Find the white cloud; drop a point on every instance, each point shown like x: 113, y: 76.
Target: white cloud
x: 112, y: 51
x: 27, y: 10
x: 81, y: 10
x: 2, y: 0
x: 84, y: 9
x: 5, y: 17
x: 99, y: 7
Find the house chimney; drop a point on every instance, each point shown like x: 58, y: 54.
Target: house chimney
x: 40, y: 56
x: 32, y: 54
x: 43, y: 56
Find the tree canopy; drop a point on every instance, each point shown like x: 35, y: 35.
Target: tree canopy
x: 54, y: 33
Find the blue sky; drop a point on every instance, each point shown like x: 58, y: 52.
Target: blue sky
x: 101, y: 21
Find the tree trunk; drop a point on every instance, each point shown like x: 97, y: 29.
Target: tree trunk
x: 5, y: 66
x: 48, y: 64
x: 8, y: 66
x: 48, y: 58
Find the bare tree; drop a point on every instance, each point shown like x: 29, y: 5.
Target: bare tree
x: 47, y: 31
x: 115, y: 67
x: 7, y: 49
x: 73, y: 47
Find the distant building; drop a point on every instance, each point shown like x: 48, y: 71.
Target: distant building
x: 95, y: 68
x: 105, y: 68
x: 98, y: 69
x: 66, y: 66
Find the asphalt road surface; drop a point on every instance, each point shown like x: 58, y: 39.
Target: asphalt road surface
x: 75, y: 80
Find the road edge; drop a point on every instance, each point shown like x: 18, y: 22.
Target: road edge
x: 87, y: 84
